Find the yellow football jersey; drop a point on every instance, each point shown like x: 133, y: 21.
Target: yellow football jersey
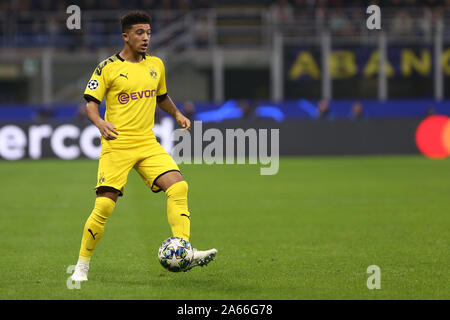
x: 130, y: 90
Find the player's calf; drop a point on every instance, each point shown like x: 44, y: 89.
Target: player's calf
x: 177, y: 210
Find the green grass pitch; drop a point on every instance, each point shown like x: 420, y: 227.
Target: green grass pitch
x: 309, y: 232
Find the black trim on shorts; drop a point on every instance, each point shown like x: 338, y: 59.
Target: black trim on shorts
x: 161, y: 98
x: 154, y: 180
x: 109, y: 189
x: 88, y: 98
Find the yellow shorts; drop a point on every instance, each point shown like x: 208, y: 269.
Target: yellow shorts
x: 144, y: 154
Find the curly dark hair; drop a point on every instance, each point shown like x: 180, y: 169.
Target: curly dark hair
x: 133, y: 17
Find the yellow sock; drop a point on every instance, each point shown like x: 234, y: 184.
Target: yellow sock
x: 177, y: 210
x: 95, y: 226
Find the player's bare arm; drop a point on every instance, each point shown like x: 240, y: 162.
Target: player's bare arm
x: 107, y: 129
x: 168, y: 106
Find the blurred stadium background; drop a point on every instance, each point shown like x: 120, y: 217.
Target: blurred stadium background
x: 281, y: 61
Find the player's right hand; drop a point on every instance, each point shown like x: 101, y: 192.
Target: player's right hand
x: 107, y: 130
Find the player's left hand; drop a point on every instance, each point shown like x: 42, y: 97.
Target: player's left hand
x: 183, y: 121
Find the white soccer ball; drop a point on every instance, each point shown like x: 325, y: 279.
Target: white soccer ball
x: 175, y: 254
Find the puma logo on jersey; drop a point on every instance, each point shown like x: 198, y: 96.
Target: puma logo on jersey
x: 124, y: 75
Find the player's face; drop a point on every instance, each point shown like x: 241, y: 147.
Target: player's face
x: 138, y: 37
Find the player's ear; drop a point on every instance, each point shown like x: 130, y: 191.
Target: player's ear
x: 125, y: 36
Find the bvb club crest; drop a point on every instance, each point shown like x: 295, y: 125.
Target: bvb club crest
x: 101, y: 179
x: 153, y: 73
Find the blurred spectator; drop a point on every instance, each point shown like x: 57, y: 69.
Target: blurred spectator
x: 340, y: 23
x: 282, y: 11
x: 446, y: 8
x: 433, y: 4
x: 435, y: 9
x: 111, y: 5
x: 357, y: 111
x: 23, y: 5
x: 130, y: 5
x: 201, y: 30
x: 149, y: 5
x: 81, y: 115
x: 46, y: 5
x: 335, y: 3
x: 5, y: 6
x: 248, y: 112
x: 44, y: 114
x: 299, y: 5
x: 402, y: 24
x: 90, y: 5
x: 396, y: 4
x: 61, y: 5
x: 430, y: 111
x: 410, y: 17
x: 202, y: 4
x: 426, y: 24
x: 52, y: 27
x: 189, y: 110
x: 167, y: 14
x: 183, y: 6
x: 323, y: 109
x: 304, y: 5
x: 303, y: 11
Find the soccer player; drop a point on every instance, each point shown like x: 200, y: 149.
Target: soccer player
x: 133, y: 82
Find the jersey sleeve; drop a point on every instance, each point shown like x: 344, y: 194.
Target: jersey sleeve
x: 162, y: 90
x: 97, y: 86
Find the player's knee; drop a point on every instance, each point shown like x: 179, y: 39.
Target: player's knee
x: 108, y: 192
x: 104, y: 206
x: 178, y: 189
